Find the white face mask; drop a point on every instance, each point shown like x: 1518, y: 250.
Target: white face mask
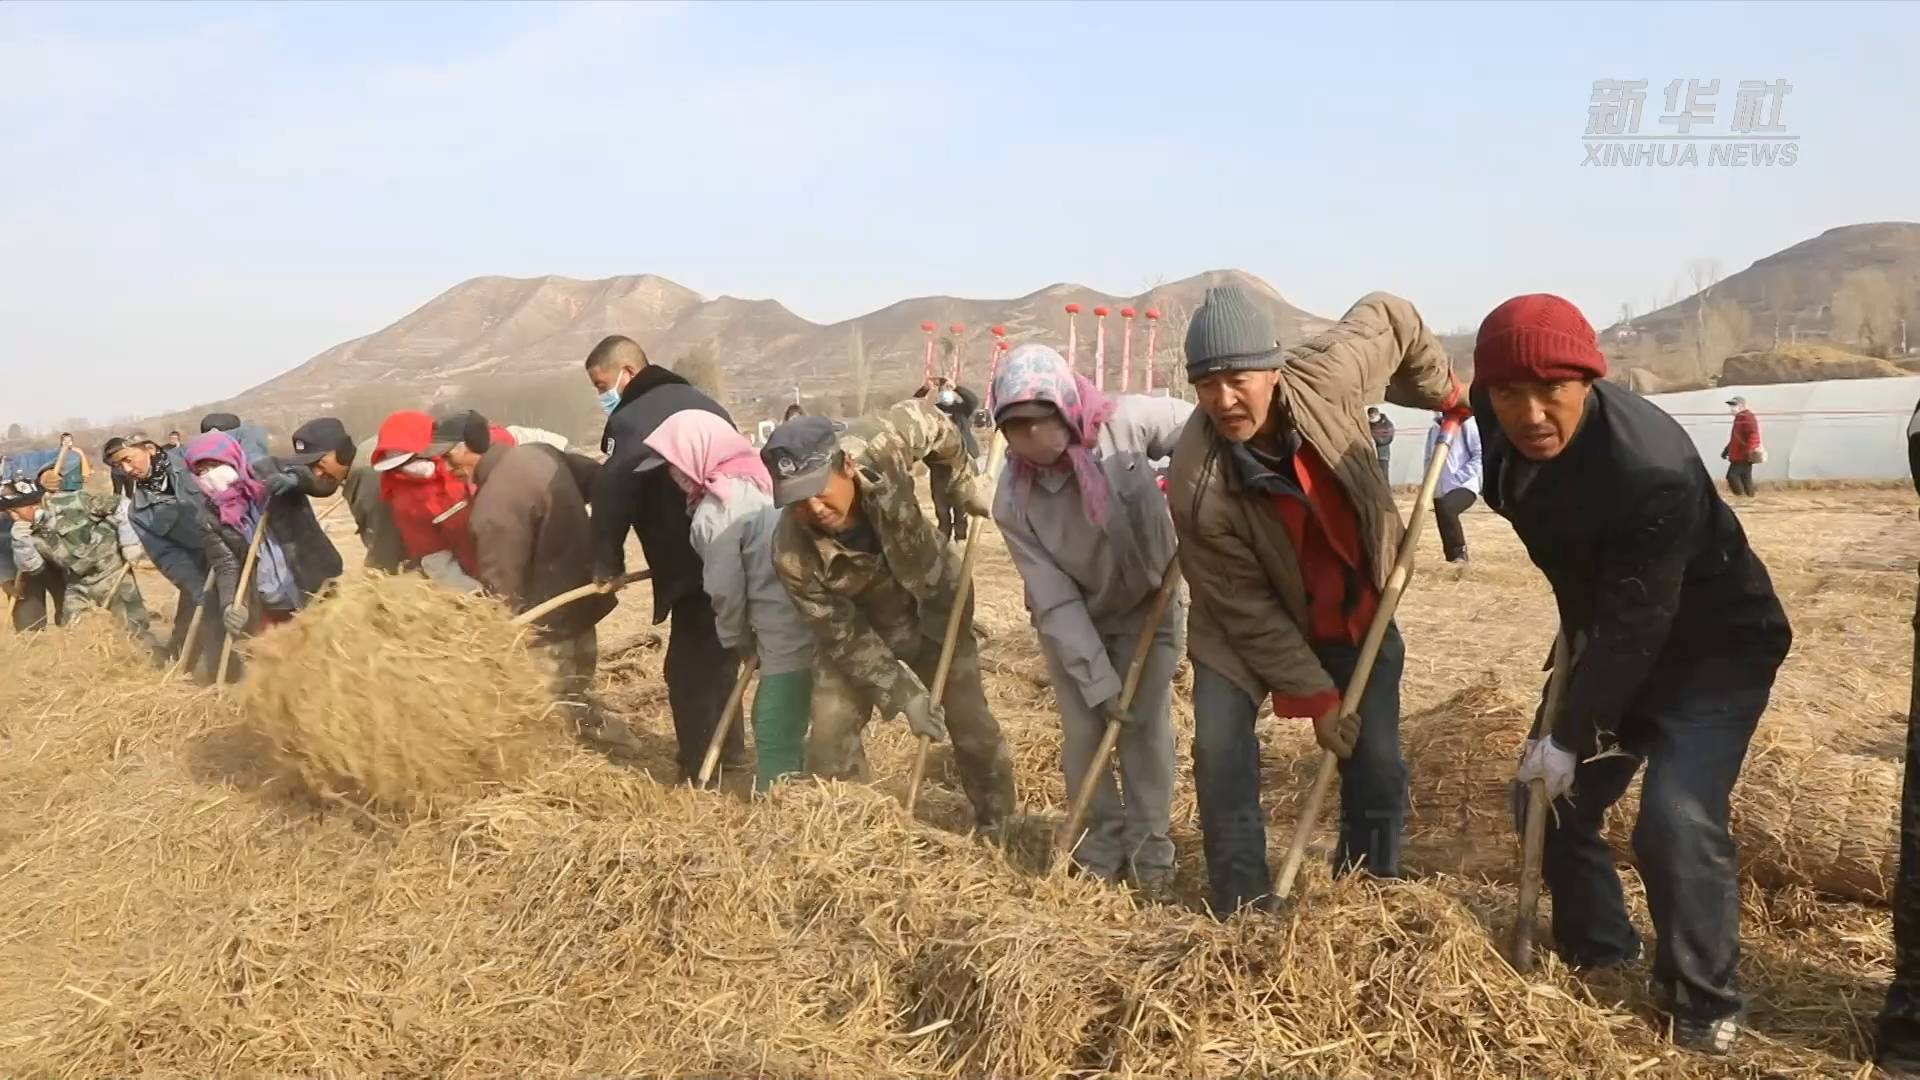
x: 219, y: 478
x: 418, y: 468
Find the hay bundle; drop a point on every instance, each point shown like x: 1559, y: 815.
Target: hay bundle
x: 398, y: 693
x: 1802, y: 815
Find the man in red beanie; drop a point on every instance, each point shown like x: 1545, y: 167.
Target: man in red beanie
x: 1674, y: 635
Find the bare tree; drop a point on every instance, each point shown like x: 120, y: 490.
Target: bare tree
x: 703, y: 369
x: 1705, y: 274
x: 1780, y: 304
x: 15, y: 431
x: 862, y: 374
x: 556, y: 401
x: 1726, y: 330
x: 1866, y: 308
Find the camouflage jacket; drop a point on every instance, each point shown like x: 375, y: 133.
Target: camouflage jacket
x: 869, y: 611
x: 82, y: 532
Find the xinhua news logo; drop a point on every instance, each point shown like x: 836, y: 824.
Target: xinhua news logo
x: 1687, y: 136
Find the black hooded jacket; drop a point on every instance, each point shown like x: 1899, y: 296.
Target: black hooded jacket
x: 1648, y: 565
x: 650, y: 504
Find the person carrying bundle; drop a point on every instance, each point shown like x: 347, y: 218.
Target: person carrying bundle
x: 730, y: 497
x: 1674, y: 635
x: 87, y: 535
x: 239, y: 500
x: 1287, y: 536
x: 1087, y: 527
x: 175, y: 523
x: 876, y: 584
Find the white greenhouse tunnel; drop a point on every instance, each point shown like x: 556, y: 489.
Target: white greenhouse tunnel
x: 1842, y: 429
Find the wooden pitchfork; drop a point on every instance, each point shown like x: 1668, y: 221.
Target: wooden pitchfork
x: 1397, y: 581
x: 1069, y: 834
x: 1534, y: 836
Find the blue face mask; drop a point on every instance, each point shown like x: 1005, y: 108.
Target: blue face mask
x: 610, y: 399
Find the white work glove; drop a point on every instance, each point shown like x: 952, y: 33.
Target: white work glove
x: 926, y: 717
x: 20, y: 530
x: 1544, y: 759
x: 235, y: 618
x: 134, y: 554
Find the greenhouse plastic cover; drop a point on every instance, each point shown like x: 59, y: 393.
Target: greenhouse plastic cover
x: 1840, y: 429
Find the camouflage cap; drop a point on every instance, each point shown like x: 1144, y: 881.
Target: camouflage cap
x: 800, y: 455
x: 16, y: 493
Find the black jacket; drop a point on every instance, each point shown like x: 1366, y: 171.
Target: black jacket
x: 1649, y: 567
x: 651, y: 505
x: 293, y: 524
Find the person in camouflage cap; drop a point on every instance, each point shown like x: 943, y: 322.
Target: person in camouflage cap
x: 87, y: 535
x: 875, y: 583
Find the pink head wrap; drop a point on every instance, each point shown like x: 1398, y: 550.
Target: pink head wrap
x: 707, y: 449
x: 1037, y: 373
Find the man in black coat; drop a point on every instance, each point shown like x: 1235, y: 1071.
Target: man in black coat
x: 638, y: 396
x: 1898, y: 1049
x: 1674, y: 634
x: 293, y: 483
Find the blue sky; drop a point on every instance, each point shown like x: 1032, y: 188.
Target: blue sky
x: 194, y: 198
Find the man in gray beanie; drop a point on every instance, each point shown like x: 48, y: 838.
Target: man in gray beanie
x: 1287, y: 533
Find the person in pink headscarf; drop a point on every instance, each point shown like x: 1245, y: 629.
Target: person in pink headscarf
x: 219, y: 467
x: 1080, y: 507
x: 730, y: 498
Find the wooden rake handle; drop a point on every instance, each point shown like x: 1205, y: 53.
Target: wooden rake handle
x: 1397, y: 581
x: 581, y: 593
x: 1533, y: 843
x: 734, y: 703
x: 1069, y: 834
x: 187, y: 643
x: 939, y: 687
x: 240, y: 594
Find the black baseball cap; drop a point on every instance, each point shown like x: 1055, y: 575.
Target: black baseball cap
x: 21, y: 492
x: 121, y: 442
x: 452, y: 429
x: 218, y: 421
x: 801, y: 454
x: 316, y: 439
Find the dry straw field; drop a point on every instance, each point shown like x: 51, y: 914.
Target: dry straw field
x: 178, y: 902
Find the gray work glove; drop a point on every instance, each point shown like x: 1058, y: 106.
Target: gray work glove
x: 281, y: 483
x: 235, y: 618
x: 1112, y: 713
x: 926, y: 717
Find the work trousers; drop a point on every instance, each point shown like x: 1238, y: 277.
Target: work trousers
x: 1691, y: 726
x: 1446, y: 516
x: 1118, y: 836
x: 949, y: 521
x: 1740, y: 478
x: 39, y: 592
x: 700, y: 673
x: 1226, y: 778
x: 842, y: 709
x: 202, y: 653
x: 1899, y: 1035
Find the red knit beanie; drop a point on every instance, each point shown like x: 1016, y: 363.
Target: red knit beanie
x: 1538, y: 337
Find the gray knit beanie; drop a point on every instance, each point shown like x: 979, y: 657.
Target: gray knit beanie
x: 1229, y: 333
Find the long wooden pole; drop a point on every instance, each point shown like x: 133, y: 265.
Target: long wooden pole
x: 580, y: 593
x: 189, y: 644
x: 1534, y: 837
x: 240, y: 593
x: 734, y: 702
x: 939, y: 687
x: 1069, y: 834
x: 1369, y: 651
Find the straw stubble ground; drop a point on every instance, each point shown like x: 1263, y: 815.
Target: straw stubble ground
x: 172, y: 911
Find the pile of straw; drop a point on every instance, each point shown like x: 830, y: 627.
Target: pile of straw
x: 1802, y: 815
x: 400, y: 694
x: 171, y: 914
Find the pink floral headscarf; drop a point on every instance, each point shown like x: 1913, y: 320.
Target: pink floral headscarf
x: 1038, y: 373
x: 239, y: 506
x: 708, y: 449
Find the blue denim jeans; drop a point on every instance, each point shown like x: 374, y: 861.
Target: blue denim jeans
x: 1692, y: 729
x: 1226, y: 778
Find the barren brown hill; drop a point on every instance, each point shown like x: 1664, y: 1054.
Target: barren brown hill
x: 496, y: 330
x: 1854, y: 287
